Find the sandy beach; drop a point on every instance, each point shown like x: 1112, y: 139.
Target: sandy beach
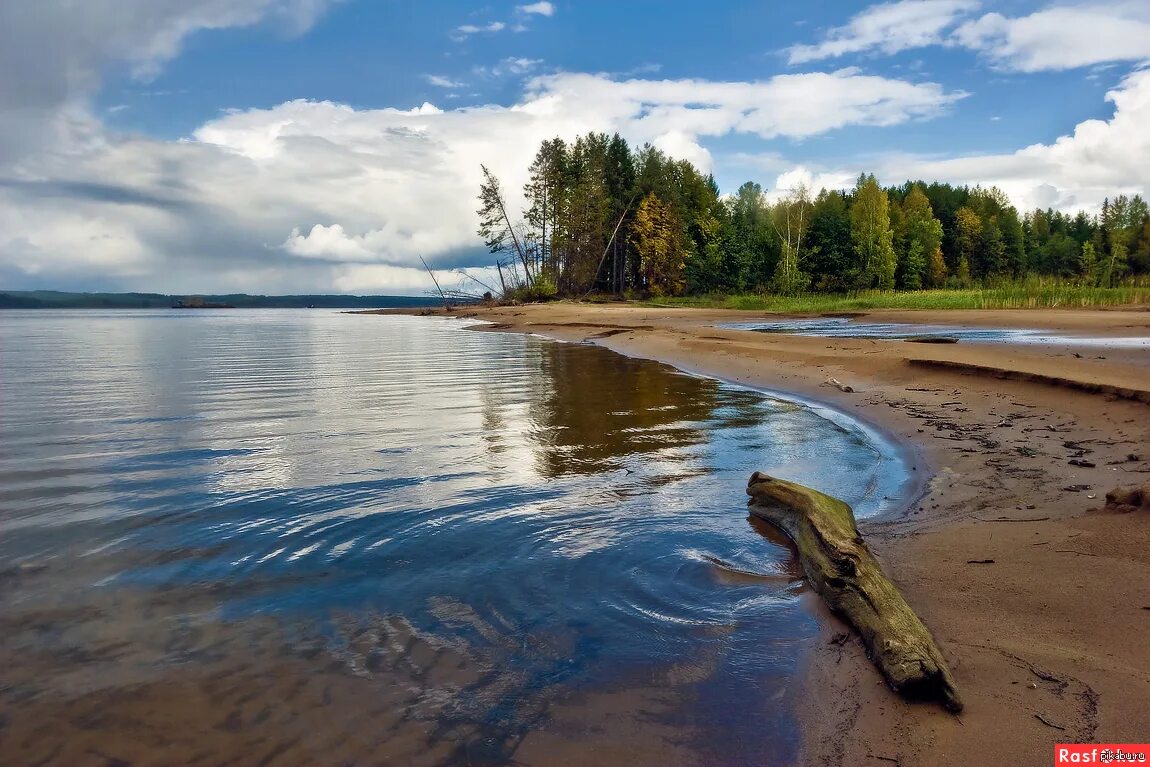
x: 1038, y: 598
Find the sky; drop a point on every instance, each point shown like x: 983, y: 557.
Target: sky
x: 315, y: 146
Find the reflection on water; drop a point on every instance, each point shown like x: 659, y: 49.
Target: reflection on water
x: 292, y: 537
x: 842, y: 327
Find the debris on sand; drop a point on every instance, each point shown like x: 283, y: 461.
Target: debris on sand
x: 838, y: 385
x: 931, y: 340
x: 1123, y: 500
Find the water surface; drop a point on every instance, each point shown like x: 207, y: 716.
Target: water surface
x: 302, y: 537
x: 843, y: 327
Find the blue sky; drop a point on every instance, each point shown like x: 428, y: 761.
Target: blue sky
x: 381, y: 53
x: 275, y: 145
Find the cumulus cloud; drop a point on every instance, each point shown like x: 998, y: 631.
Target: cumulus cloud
x: 1058, y: 37
x: 540, y: 9
x: 308, y: 195
x: 53, y: 53
x: 516, y: 65
x: 1100, y: 158
x: 312, y: 196
x: 805, y: 178
x: 1062, y: 37
x: 441, y: 81
x: 887, y: 28
x: 519, y: 22
x: 510, y: 67
x: 794, y: 106
x: 466, y: 30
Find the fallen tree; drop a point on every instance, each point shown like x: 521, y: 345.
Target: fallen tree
x: 842, y: 569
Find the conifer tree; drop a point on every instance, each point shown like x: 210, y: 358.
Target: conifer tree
x: 601, y: 215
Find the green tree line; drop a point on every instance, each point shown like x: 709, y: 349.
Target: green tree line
x: 603, y: 216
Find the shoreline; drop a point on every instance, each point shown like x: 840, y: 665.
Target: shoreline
x: 1039, y: 620
x: 911, y: 454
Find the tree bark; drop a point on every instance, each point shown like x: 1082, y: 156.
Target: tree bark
x: 842, y: 569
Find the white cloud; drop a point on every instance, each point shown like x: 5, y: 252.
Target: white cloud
x: 382, y: 278
x: 1100, y: 158
x: 332, y: 243
x: 812, y: 181
x: 1062, y: 37
x: 464, y: 31
x: 520, y: 65
x: 542, y: 9
x: 887, y: 28
x: 511, y: 66
x: 441, y: 81
x: 794, y: 106
x: 1058, y: 37
x: 53, y: 53
x: 309, y: 196
x: 519, y: 22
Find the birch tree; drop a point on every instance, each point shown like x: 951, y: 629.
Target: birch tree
x: 791, y: 218
x: 872, y: 235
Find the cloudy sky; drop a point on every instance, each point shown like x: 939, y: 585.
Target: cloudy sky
x: 274, y: 146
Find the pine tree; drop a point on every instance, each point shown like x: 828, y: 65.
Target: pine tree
x: 588, y: 223
x: 1121, y: 221
x: 620, y: 179
x: 545, y: 193
x: 753, y: 237
x: 495, y: 224
x: 991, y: 259
x: 582, y: 231
x: 831, y: 254
x: 1140, y: 249
x: 1013, y: 241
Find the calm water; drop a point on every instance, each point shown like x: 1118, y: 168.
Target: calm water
x: 841, y: 327
x: 302, y: 537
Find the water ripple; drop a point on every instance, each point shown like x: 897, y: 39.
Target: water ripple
x: 479, y: 528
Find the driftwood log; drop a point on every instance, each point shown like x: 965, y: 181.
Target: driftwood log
x: 842, y: 569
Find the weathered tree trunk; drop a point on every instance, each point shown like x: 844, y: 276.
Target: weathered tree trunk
x: 842, y: 569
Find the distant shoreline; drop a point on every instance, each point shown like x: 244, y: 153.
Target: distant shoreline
x: 51, y: 299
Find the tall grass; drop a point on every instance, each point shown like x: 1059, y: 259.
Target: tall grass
x: 1030, y: 293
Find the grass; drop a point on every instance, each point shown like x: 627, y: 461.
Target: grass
x: 1028, y: 294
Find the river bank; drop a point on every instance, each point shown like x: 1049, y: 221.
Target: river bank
x: 1037, y: 601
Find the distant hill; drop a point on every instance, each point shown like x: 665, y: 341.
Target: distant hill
x: 53, y: 299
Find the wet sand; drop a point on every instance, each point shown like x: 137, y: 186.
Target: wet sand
x: 1039, y: 601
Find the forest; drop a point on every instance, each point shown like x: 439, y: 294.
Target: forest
x: 603, y: 217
